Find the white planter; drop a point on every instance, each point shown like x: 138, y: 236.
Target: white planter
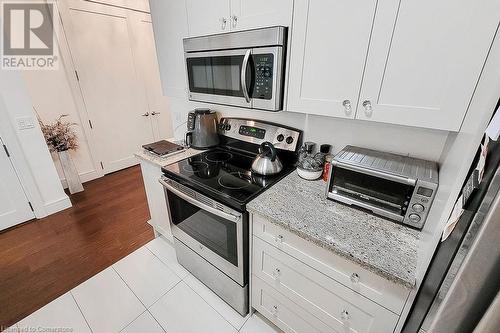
x: 70, y: 173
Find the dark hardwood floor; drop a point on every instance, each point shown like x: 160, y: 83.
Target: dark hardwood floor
x: 43, y: 259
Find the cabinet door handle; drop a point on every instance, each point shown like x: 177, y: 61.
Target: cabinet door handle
x: 223, y: 22
x: 276, y: 273
x: 154, y: 113
x: 234, y: 18
x: 345, y: 315
x: 354, y: 278
x: 274, y: 310
x: 145, y: 114
x: 368, y: 107
x: 347, y: 106
x: 278, y: 239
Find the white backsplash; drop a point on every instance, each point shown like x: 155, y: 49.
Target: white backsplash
x: 413, y: 141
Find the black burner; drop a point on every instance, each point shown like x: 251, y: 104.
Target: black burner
x: 234, y: 181
x: 195, y: 166
x: 218, y: 156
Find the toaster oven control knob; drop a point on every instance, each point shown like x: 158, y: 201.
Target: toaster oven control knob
x: 289, y: 140
x: 415, y: 218
x: 280, y: 137
x: 418, y: 208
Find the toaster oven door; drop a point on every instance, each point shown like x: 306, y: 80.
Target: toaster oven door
x: 384, y: 197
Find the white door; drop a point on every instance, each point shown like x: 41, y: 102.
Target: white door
x: 207, y: 17
x: 425, y: 59
x: 328, y: 51
x: 14, y: 206
x: 147, y: 63
x: 100, y: 39
x: 251, y: 14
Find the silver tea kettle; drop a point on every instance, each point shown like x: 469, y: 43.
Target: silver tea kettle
x: 202, y: 129
x: 267, y: 163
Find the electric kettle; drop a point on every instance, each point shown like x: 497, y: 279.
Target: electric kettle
x: 202, y: 129
x: 267, y: 163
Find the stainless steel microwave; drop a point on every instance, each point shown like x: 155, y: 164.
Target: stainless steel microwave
x: 397, y: 187
x: 244, y: 68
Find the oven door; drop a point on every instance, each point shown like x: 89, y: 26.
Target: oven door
x: 216, y: 234
x: 249, y: 78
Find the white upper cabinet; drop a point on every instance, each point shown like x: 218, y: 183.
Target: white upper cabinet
x: 218, y: 16
x: 170, y: 26
x: 208, y: 17
x: 424, y: 61
x: 249, y: 14
x: 328, y: 50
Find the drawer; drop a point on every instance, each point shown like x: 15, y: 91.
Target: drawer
x: 282, y: 312
x: 378, y: 289
x: 328, y: 300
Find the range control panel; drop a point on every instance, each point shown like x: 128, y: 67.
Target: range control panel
x: 258, y: 131
x: 263, y: 88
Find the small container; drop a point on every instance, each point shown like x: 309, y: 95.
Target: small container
x: 326, y: 167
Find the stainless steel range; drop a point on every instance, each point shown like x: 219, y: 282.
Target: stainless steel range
x: 207, y: 194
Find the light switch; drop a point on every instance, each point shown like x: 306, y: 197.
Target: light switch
x: 24, y: 123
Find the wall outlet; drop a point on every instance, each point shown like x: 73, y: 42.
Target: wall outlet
x: 24, y: 123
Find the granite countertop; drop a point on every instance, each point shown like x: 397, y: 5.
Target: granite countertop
x: 379, y: 245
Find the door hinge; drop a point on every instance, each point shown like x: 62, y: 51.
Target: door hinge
x: 90, y: 123
x: 31, y: 206
x: 102, y: 166
x: 6, y: 150
x: 77, y: 77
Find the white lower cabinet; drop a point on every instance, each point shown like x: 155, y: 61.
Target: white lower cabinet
x: 340, y: 308
x: 285, y: 314
x: 302, y: 293
x: 156, y: 199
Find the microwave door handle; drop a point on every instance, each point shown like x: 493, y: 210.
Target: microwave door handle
x: 243, y: 76
x: 194, y: 202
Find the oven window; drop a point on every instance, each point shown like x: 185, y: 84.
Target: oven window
x: 212, y: 231
x: 216, y: 75
x: 390, y: 195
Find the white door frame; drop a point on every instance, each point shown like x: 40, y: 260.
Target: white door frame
x: 66, y: 58
x: 19, y: 162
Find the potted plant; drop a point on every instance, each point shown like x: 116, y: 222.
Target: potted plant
x: 61, y: 138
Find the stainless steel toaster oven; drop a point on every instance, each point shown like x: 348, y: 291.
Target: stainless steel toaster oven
x: 400, y: 188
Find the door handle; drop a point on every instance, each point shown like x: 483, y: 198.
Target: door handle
x: 243, y: 77
x: 154, y: 113
x: 145, y: 114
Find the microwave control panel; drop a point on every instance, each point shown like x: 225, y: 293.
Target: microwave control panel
x: 264, y: 68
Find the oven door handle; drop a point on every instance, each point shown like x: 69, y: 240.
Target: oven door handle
x: 212, y: 210
x: 243, y: 77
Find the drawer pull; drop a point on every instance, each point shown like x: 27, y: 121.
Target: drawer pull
x: 278, y: 239
x: 276, y: 273
x: 354, y: 278
x: 345, y: 315
x: 274, y: 310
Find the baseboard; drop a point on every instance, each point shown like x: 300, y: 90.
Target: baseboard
x: 57, y: 205
x: 84, y: 177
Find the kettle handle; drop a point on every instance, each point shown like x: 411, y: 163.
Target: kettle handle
x: 190, y: 140
x: 271, y: 148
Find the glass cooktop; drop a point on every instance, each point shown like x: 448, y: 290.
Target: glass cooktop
x: 223, y: 173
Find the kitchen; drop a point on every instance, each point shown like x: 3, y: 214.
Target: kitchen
x: 251, y: 85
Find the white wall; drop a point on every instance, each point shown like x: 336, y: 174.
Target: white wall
x: 32, y: 159
x: 417, y: 142
x: 52, y: 95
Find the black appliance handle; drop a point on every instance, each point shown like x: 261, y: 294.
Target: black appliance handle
x: 189, y: 138
x: 267, y: 148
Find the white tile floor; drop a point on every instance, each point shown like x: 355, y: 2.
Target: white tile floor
x: 147, y: 291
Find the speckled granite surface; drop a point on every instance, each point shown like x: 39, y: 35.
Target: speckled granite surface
x: 300, y: 206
